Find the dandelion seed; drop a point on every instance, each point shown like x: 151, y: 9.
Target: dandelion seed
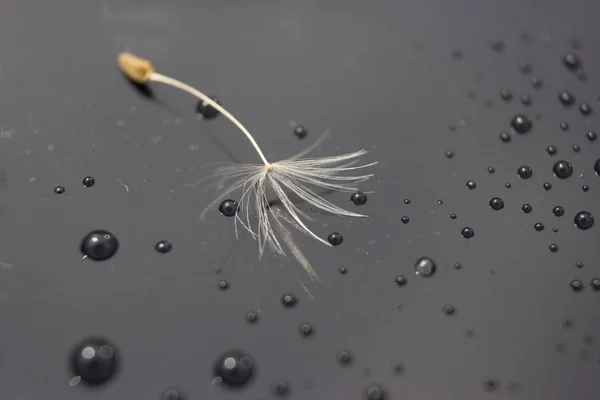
x: 295, y: 178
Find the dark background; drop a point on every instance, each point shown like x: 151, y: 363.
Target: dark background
x: 406, y: 81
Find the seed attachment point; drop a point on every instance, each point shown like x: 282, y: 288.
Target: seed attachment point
x: 135, y: 68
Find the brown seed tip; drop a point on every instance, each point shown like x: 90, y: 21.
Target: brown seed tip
x: 137, y: 69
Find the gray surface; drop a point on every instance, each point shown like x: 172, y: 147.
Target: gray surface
x: 379, y: 75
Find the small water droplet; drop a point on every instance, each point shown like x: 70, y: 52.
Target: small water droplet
x: 163, y: 246
x: 95, y: 360
x: 497, y: 45
x: 358, y: 198
x: 425, y: 267
x: 173, y: 394
x: 562, y: 169
x: 595, y: 284
x: 405, y: 219
x: 440, y: 202
x: 374, y: 392
x: 576, y: 285
x: 566, y: 98
x: 398, y: 368
x: 507, y: 185
x: 558, y: 211
x: 306, y: 330
x: 567, y: 323
x: 551, y: 150
x: 300, y: 131
x: 496, y: 203
x: 449, y: 154
x: 335, y: 238
x: 585, y: 188
x: 289, y: 300
x: 279, y: 388
x: 491, y: 170
x: 584, y: 220
x: 252, y: 317
x: 344, y: 357
x: 457, y: 54
x: 579, y: 264
x: 585, y: 109
x: 547, y: 186
x: 406, y: 201
x: 234, y: 368
x: 525, y: 172
x: 223, y: 285
x: 571, y: 61
x: 536, y: 82
x: 505, y: 137
x: 505, y: 95
x: 401, y: 280
x: 457, y: 266
x: 525, y: 68
x: 229, y: 208
x: 539, y: 227
x: 576, y: 148
x: 564, y: 126
x: 554, y: 230
x: 553, y: 248
x: 521, y: 123
x: 581, y: 75
x: 448, y: 309
x: 206, y: 110
x: 467, y: 232
x: 591, y: 136
x: 597, y: 167
x: 471, y: 185
x: 59, y: 189
x: 491, y: 384
x: 99, y: 245
x: 88, y: 181
x: 343, y: 270
x: 526, y: 100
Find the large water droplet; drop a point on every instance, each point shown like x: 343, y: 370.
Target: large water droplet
x: 88, y: 181
x: 358, y: 198
x: 525, y: 172
x: 300, y: 131
x: 585, y: 109
x: 558, y: 211
x: 425, y: 267
x: 562, y: 169
x: 527, y: 208
x: 95, y: 360
x: 163, y: 246
x: 521, y: 123
x: 496, y: 203
x: 229, y: 208
x: 234, y: 368
x: 566, y: 98
x: 597, y: 167
x: 335, y: 238
x: 99, y: 245
x: 571, y: 61
x: 584, y: 220
x: 467, y: 232
x: 206, y: 110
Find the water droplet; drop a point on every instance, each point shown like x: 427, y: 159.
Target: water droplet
x: 554, y: 230
x: 467, y: 232
x: 335, y: 238
x: 457, y: 266
x: 217, y: 271
x: 234, y: 368
x: 576, y: 285
x: 229, y: 208
x: 558, y: 211
x: 358, y: 198
x: 553, y: 248
x: 343, y: 270
x: 585, y: 109
x: 505, y: 95
x: 527, y: 208
x: 579, y: 264
x: 99, y: 245
x: 507, y: 185
x: 440, y: 202
x: 59, y: 189
x: 521, y: 123
x: 306, y: 330
x: 425, y: 267
x: 457, y: 54
x: 223, y: 285
x: 206, y: 110
x: 405, y: 219
x: 576, y: 148
x: 551, y: 150
x: 449, y: 154
x: 526, y: 100
x: 88, y: 181
x: 571, y: 61
x: 401, y: 280
x: 497, y: 203
x: 591, y: 136
x: 564, y: 126
x: 584, y: 220
x: 448, y: 309
x: 525, y: 172
x: 597, y: 167
x: 581, y: 75
x: 491, y: 170
x: 172, y: 394
x: 505, y: 137
x: 252, y: 317
x: 536, y: 82
x: 585, y: 188
x: 566, y: 98
x: 595, y: 284
x: 374, y: 392
x: 398, y: 368
x: 560, y: 348
x: 300, y: 131
x: 567, y: 323
x: 289, y: 300
x: 562, y: 169
x: 497, y: 45
x: 344, y: 357
x: 491, y: 384
x: 164, y: 246
x: 547, y: 186
x: 539, y: 227
x: 279, y: 388
x: 525, y: 68
x: 95, y: 360
x: 471, y: 185
x: 452, y: 216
